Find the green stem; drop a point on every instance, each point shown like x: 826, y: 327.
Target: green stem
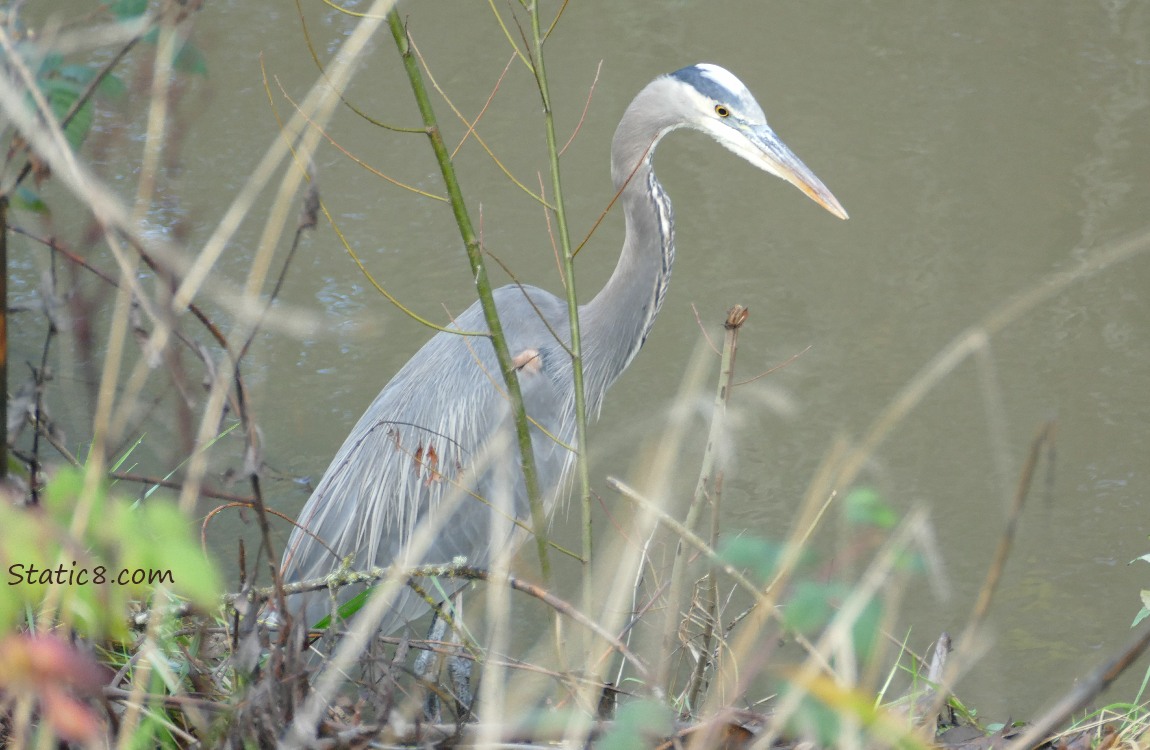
x: 572, y: 307
x: 482, y: 286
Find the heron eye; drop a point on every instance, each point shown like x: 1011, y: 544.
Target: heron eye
x: 721, y: 111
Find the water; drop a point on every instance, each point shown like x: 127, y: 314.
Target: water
x: 978, y: 147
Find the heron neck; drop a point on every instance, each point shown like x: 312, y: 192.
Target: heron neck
x: 616, y: 322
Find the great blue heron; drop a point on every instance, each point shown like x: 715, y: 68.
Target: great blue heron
x: 443, y: 425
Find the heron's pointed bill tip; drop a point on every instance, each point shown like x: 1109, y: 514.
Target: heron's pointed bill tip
x: 791, y: 169
x: 781, y: 161
x: 817, y: 191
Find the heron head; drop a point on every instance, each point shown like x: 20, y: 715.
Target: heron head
x: 720, y: 105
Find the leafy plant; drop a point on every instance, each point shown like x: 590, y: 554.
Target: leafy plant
x: 88, y: 555
x: 1144, y: 594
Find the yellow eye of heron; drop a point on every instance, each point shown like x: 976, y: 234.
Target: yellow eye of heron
x: 721, y: 111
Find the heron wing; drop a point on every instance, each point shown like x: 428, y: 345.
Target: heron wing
x: 437, y: 445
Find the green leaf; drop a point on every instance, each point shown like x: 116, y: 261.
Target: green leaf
x: 49, y: 64
x: 636, y: 724
x: 755, y: 554
x: 61, y: 94
x: 61, y: 494
x: 174, y: 551
x: 912, y: 561
x: 347, y: 609
x: 866, y: 630
x: 809, y: 606
x: 11, y: 609
x: 1142, y: 615
x: 124, y: 553
x: 864, y: 506
x: 118, y: 463
x: 815, y: 720
x: 111, y: 86
x: 80, y: 125
x: 128, y: 9
x: 191, y: 60
x: 27, y: 199
x: 81, y: 76
x: 26, y: 542
x: 78, y: 75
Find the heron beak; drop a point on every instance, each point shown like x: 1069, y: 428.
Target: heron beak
x: 774, y: 156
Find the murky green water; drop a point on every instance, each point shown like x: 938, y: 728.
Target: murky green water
x: 978, y: 146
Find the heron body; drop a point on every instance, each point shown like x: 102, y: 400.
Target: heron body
x: 438, y: 442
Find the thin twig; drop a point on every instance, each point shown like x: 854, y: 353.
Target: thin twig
x: 347, y: 245
x: 586, y: 107
x: 785, y: 363
x: 710, y: 473
x: 339, y: 147
x: 471, y: 126
x: 172, y: 484
x: 703, y: 330
x: 482, y: 110
x: 610, y: 204
x: 339, y: 90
